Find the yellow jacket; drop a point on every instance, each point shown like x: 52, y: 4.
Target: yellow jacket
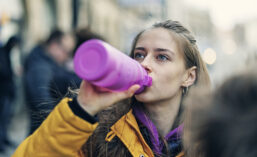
x: 63, y: 133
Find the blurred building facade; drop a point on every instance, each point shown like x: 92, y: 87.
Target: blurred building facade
x: 118, y: 21
x: 245, y: 37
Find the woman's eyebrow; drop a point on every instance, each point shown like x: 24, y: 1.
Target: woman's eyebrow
x: 164, y: 50
x: 156, y: 50
x: 140, y: 48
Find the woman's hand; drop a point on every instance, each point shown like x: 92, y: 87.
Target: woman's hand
x: 93, y: 100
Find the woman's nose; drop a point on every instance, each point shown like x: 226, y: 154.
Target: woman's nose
x: 147, y: 65
x: 147, y: 69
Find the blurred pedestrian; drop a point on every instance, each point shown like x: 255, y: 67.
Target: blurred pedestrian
x: 85, y: 34
x: 43, y: 66
x: 7, y: 89
x: 223, y: 123
x: 70, y: 79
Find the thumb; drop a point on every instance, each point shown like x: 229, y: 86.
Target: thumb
x: 131, y: 91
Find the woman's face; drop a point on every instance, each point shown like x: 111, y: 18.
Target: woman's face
x: 158, y: 52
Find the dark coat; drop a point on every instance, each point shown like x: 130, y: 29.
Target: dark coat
x: 7, y: 87
x: 44, y: 79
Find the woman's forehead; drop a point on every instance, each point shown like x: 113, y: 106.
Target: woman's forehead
x: 158, y: 34
x: 158, y: 38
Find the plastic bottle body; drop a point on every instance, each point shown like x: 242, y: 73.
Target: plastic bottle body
x: 105, y: 66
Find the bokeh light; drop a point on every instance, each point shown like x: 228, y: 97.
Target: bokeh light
x: 209, y: 56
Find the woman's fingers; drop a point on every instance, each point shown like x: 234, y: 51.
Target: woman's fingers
x: 115, y: 97
x: 93, y: 100
x: 131, y: 91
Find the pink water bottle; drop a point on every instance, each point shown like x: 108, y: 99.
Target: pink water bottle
x: 104, y: 66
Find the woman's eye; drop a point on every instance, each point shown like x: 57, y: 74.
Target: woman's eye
x: 139, y: 56
x: 162, y: 57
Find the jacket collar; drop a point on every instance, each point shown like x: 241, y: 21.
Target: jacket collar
x: 157, y: 145
x: 127, y: 130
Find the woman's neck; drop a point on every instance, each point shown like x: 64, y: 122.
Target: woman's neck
x: 163, y: 114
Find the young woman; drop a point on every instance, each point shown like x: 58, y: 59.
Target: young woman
x: 148, y: 124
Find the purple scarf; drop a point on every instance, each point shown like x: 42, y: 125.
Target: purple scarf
x: 154, y: 136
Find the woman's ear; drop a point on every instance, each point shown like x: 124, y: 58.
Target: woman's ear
x: 190, y: 77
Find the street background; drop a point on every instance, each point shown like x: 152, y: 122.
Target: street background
x: 225, y: 31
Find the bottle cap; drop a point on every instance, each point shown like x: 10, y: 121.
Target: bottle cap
x: 90, y: 60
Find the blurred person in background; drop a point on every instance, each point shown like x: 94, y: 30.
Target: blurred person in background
x: 70, y: 79
x: 223, y: 123
x: 85, y: 34
x: 43, y: 66
x: 7, y: 89
x: 146, y: 124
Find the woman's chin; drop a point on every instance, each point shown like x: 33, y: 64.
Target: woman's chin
x: 142, y: 97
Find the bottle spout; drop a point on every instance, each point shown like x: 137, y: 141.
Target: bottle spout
x: 147, y: 81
